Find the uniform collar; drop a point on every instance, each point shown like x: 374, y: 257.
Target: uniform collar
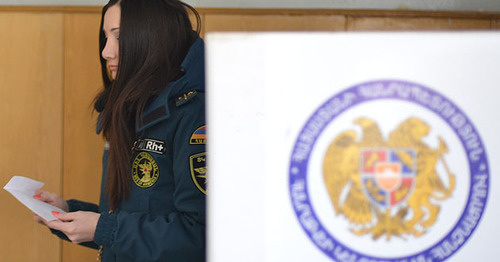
x: 192, y: 80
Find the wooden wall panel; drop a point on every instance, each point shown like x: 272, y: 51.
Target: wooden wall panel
x: 495, y: 24
x: 236, y: 22
x: 31, y: 86
x: 82, y: 146
x: 403, y: 23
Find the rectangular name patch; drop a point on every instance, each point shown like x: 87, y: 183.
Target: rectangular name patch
x: 151, y: 145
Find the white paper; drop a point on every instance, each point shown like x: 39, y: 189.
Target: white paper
x: 24, y: 189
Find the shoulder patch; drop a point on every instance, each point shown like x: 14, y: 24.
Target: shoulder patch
x: 198, y: 167
x: 199, y: 136
x: 181, y: 100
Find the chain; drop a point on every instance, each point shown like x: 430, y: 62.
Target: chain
x: 99, y: 254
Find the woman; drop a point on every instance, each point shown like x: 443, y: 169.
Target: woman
x: 152, y: 114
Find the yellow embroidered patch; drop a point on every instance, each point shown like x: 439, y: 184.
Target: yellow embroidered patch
x: 145, y: 171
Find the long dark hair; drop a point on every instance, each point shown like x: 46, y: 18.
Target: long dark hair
x: 155, y: 36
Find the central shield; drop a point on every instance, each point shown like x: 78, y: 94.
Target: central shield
x: 388, y: 175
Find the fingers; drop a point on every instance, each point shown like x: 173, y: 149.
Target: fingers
x: 45, y: 196
x: 51, y: 198
x: 58, y: 225
x: 77, y: 226
x: 65, y: 217
x: 40, y: 195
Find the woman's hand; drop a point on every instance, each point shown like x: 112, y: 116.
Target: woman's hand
x: 77, y: 226
x: 50, y: 198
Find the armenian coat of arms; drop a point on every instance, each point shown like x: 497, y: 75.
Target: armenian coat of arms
x: 387, y: 187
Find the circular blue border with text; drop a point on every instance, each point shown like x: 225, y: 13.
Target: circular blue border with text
x: 399, y: 90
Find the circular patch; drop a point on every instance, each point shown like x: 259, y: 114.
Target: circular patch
x: 198, y: 167
x: 145, y: 171
x: 389, y: 171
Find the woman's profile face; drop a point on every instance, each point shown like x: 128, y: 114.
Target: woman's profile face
x: 111, y: 28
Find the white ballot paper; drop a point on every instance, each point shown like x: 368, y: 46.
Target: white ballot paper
x: 24, y: 189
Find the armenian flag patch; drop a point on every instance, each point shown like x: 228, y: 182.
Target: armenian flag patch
x: 199, y: 136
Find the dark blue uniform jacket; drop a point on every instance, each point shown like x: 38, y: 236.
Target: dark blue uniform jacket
x: 163, y: 219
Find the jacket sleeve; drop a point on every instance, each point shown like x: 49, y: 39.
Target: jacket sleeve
x: 178, y: 236
x: 73, y: 206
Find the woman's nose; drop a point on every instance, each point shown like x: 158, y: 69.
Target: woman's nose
x: 109, y: 51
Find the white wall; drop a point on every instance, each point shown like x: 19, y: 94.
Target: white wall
x: 452, y: 5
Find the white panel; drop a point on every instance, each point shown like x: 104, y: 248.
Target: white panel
x: 267, y: 92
